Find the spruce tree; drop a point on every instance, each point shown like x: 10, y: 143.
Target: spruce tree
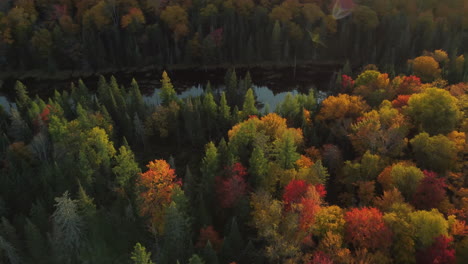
x: 249, y: 107
x: 286, y: 149
x: 224, y: 112
x: 258, y: 166
x: 167, y: 93
x: 195, y: 259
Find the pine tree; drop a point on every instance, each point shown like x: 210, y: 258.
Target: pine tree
x: 276, y: 42
x: 231, y: 89
x: 175, y: 236
x: 195, y: 259
x: 258, y: 166
x: 247, y: 81
x: 167, y: 93
x: 86, y: 204
x: 320, y: 171
x: 209, y: 169
x: 210, y: 112
x: 103, y: 91
x: 224, y: 112
x: 67, y: 227
x: 136, y: 100
x: 23, y: 99
x: 209, y: 254
x: 35, y: 243
x: 233, y: 243
x: 190, y: 184
x: 7, y: 249
x: 286, y: 149
x: 140, y: 256
x: 249, y: 107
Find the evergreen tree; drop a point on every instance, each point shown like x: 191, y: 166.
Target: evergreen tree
x: 140, y: 256
x: 210, y: 112
x: 35, y: 243
x: 258, y: 166
x: 195, y: 259
x: 249, y: 107
x: 224, y: 112
x: 209, y: 168
x: 286, y: 149
x: 23, y: 100
x: 7, y: 250
x: 176, y: 231
x: 167, y: 93
x: 209, y: 254
x: 67, y: 228
x: 233, y: 243
x: 231, y: 89
x: 136, y: 100
x: 276, y: 42
x: 190, y: 184
x: 86, y: 205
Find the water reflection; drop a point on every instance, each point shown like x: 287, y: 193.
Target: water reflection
x: 6, y: 104
x: 265, y: 96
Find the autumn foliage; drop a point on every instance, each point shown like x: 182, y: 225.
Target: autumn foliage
x: 156, y: 185
x: 233, y: 187
x: 430, y: 192
x: 209, y: 234
x: 295, y: 191
x: 365, y: 228
x: 441, y: 252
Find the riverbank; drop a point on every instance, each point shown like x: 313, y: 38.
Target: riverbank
x: 274, y: 75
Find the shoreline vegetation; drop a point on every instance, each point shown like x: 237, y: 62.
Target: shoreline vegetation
x: 40, y: 75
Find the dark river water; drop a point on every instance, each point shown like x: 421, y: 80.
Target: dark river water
x: 270, y: 85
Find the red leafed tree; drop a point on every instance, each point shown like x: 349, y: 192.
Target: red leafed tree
x: 400, y: 101
x: 365, y: 228
x: 320, y: 258
x: 409, y: 85
x: 294, y: 192
x: 156, y: 185
x: 441, y: 252
x: 430, y: 192
x: 320, y: 188
x: 232, y: 188
x: 347, y: 83
x: 45, y: 114
x: 209, y: 234
x: 309, y: 208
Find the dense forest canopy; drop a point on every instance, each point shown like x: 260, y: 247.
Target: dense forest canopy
x: 98, y: 35
x: 377, y: 172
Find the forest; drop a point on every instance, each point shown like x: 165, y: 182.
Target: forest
x: 375, y: 173
x: 79, y: 36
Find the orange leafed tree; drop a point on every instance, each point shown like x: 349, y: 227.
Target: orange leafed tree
x: 365, y: 228
x: 342, y: 106
x: 156, y: 185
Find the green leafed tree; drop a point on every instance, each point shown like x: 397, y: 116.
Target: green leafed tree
x: 437, y: 153
x: 140, y: 256
x: 428, y: 225
x: 435, y: 111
